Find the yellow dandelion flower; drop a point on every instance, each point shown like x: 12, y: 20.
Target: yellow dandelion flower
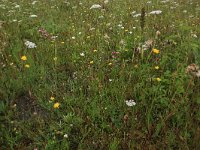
x: 52, y: 98
x: 158, y: 79
x: 27, y: 66
x: 56, y: 105
x: 94, y: 50
x: 110, y: 64
x: 156, y: 51
x: 62, y: 42
x: 92, y: 62
x: 126, y: 30
x: 156, y: 67
x: 24, y: 58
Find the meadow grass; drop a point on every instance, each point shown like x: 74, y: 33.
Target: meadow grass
x: 102, y: 78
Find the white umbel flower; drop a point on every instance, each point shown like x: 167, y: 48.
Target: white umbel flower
x: 82, y: 54
x: 33, y: 16
x: 130, y: 103
x: 136, y: 15
x: 155, y: 12
x: 95, y: 6
x: 106, y: 1
x: 30, y: 44
x: 65, y: 136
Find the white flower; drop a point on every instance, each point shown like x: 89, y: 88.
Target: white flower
x: 82, y: 54
x: 119, y: 25
x: 95, y: 6
x: 92, y: 29
x: 198, y: 73
x: 106, y: 1
x: 101, y: 17
x: 137, y: 15
x: 194, y: 36
x: 164, y: 1
x: 130, y: 102
x: 54, y: 37
x: 33, y: 3
x: 65, y: 135
x: 155, y: 12
x: 132, y: 13
x: 184, y: 11
x: 73, y: 37
x: 33, y: 16
x: 30, y: 44
x: 17, y: 6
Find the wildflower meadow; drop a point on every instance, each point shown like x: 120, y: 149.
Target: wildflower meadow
x: 99, y: 75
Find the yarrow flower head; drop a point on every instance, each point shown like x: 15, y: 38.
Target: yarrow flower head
x: 33, y: 16
x: 82, y: 54
x: 130, y: 103
x: 65, y: 136
x: 155, y: 12
x: 193, y: 69
x: 30, y: 44
x: 95, y: 6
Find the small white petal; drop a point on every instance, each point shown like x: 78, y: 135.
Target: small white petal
x: 30, y: 44
x: 95, y: 6
x: 82, y: 54
x: 155, y: 12
x: 65, y: 135
x: 130, y: 102
x: 33, y: 16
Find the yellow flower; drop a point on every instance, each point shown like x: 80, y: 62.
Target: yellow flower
x: 91, y: 62
x: 56, y: 105
x: 62, y: 42
x: 156, y: 51
x: 24, y: 58
x: 110, y: 64
x: 126, y: 30
x: 158, y: 79
x: 94, y: 50
x: 27, y: 66
x: 156, y: 67
x: 52, y: 98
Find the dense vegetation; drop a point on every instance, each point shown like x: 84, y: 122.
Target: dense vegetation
x: 117, y: 74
